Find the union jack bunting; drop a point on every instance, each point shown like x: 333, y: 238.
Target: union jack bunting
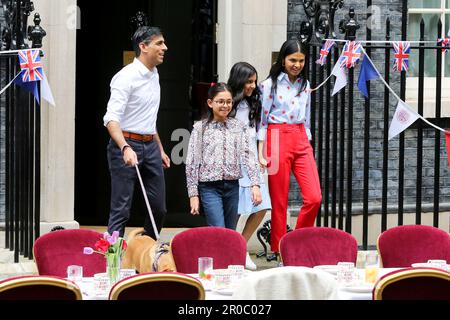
x: 351, y: 54
x: 31, y: 65
x: 401, y: 55
x: 324, y: 52
x: 445, y: 43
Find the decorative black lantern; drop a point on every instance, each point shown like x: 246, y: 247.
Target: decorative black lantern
x: 322, y: 12
x: 349, y: 26
x: 16, y: 29
x: 36, y: 32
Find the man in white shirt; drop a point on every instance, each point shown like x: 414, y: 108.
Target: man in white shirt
x: 131, y: 122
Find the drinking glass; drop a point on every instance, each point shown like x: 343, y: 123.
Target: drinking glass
x: 371, y: 267
x: 223, y: 279
x: 237, y: 273
x: 205, y: 268
x: 125, y: 273
x: 75, y: 273
x: 346, y: 273
x: 101, y: 284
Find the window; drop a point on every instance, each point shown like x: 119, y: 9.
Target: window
x: 430, y: 11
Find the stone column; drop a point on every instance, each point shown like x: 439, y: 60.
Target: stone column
x: 58, y: 123
x: 250, y: 30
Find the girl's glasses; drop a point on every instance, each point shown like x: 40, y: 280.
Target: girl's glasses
x: 223, y: 102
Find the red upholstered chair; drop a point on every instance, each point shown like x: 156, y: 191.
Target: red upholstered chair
x: 225, y: 246
x: 158, y: 286
x: 404, y: 245
x: 314, y: 246
x: 56, y: 250
x: 38, y: 288
x: 413, y: 284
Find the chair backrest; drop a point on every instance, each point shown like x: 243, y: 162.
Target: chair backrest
x: 158, y: 286
x: 287, y: 283
x: 413, y: 284
x: 39, y: 288
x: 225, y: 246
x: 404, y: 245
x: 314, y: 246
x: 56, y: 250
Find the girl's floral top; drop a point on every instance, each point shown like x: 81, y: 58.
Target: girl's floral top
x: 216, y: 151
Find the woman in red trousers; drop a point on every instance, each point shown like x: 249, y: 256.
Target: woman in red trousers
x: 285, y: 126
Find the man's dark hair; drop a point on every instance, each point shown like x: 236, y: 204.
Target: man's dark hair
x: 144, y: 34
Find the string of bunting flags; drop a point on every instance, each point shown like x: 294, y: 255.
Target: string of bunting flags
x: 352, y: 54
x: 31, y: 74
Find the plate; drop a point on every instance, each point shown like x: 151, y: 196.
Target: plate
x: 224, y: 291
x: 366, y: 288
x: 421, y: 265
x: 332, y: 268
x: 430, y: 265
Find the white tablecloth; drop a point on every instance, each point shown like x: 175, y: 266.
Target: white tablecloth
x: 356, y: 292
x: 87, y: 289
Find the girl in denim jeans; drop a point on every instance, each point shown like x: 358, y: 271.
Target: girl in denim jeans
x: 217, y: 148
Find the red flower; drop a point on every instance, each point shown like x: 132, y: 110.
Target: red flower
x: 124, y: 245
x: 102, y: 245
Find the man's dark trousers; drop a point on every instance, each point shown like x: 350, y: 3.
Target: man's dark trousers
x: 123, y: 181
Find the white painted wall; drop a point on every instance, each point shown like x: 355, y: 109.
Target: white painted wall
x: 250, y: 30
x: 58, y: 123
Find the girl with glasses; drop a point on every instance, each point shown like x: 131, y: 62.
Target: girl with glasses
x: 217, y: 147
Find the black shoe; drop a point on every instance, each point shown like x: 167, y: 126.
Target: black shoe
x: 273, y: 257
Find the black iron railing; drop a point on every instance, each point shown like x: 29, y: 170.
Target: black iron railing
x: 20, y: 115
x: 342, y: 130
x: 335, y: 146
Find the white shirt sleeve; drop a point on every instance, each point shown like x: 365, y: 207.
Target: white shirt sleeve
x: 265, y: 88
x: 120, y: 93
x: 308, y: 113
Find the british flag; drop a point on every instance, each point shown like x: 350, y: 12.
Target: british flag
x: 31, y: 65
x: 401, y: 55
x: 324, y: 52
x: 445, y: 43
x: 351, y: 54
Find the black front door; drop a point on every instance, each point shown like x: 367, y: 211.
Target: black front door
x: 102, y: 42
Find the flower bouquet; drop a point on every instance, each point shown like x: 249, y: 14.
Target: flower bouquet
x: 112, y: 247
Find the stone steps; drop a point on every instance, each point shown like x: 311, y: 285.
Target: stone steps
x: 10, y: 269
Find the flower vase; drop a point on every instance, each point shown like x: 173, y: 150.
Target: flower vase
x: 113, y: 268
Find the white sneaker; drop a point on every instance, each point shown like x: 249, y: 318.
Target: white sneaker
x: 249, y: 264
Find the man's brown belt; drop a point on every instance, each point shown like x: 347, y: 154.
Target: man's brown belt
x: 138, y: 137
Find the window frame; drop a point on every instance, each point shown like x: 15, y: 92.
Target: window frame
x: 412, y: 83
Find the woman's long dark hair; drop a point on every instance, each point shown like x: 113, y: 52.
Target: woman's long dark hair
x: 289, y: 47
x: 239, y: 75
x: 215, y: 89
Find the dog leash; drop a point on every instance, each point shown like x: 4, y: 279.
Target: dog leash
x: 148, y: 204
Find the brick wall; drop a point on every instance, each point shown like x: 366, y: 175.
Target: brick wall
x: 391, y: 9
